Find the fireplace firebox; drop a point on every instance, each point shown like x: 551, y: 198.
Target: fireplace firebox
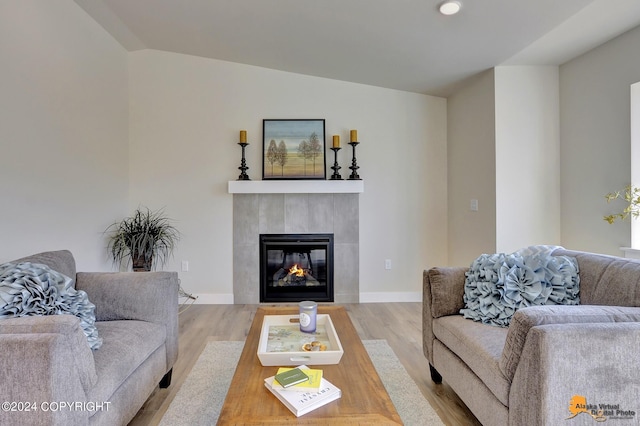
x: 296, y: 267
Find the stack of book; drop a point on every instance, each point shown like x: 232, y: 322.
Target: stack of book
x: 302, y: 389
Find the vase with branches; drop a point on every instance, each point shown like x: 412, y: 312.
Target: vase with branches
x: 144, y: 239
x: 631, y: 196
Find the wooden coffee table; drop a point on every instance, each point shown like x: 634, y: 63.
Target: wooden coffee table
x: 364, y: 399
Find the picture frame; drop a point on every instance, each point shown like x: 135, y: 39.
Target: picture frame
x: 293, y: 149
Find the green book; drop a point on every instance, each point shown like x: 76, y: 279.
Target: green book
x: 291, y: 377
x: 311, y: 385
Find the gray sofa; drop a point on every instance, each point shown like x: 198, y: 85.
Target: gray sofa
x: 536, y: 371
x: 50, y: 376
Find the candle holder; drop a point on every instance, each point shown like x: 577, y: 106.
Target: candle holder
x: 335, y: 167
x: 354, y: 163
x: 243, y: 164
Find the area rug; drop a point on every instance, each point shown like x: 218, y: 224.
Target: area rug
x: 200, y: 398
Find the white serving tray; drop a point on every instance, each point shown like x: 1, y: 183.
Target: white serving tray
x: 281, y: 342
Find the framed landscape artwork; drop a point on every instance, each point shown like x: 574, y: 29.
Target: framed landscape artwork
x: 293, y: 149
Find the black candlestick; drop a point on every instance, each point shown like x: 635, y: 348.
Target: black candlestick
x: 354, y: 163
x: 243, y: 164
x: 336, y: 167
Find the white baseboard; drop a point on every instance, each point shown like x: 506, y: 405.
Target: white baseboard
x: 379, y: 297
x: 211, y: 299
x: 382, y: 297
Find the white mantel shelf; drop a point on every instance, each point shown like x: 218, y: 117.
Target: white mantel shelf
x: 296, y: 186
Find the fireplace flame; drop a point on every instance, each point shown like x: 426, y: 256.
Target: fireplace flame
x: 297, y: 271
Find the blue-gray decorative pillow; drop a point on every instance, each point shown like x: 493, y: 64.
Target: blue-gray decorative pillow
x: 34, y: 289
x: 497, y: 285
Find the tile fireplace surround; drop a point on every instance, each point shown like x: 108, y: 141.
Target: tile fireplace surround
x: 255, y: 214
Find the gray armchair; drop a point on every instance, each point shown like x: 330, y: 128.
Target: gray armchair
x: 46, y: 364
x: 550, y: 357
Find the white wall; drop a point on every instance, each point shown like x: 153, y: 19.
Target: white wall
x: 63, y: 131
x: 595, y: 135
x: 527, y: 156
x: 186, y: 112
x: 472, y: 170
x: 503, y: 150
x: 634, y: 118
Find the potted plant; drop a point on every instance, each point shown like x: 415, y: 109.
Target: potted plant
x: 144, y: 239
x: 631, y: 195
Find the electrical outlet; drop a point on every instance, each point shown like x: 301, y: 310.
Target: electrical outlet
x: 473, y: 205
x: 185, y: 266
x: 387, y: 264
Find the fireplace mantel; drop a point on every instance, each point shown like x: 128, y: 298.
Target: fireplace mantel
x: 296, y: 186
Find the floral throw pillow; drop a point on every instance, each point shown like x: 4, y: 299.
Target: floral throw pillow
x: 28, y: 289
x: 497, y: 285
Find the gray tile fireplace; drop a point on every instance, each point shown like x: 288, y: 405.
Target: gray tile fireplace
x: 256, y: 214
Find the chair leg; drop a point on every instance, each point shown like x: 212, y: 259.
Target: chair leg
x: 435, y: 376
x: 166, y: 380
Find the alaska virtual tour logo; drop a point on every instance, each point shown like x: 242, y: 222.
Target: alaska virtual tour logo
x: 599, y: 412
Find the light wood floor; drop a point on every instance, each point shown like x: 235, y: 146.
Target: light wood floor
x: 400, y: 324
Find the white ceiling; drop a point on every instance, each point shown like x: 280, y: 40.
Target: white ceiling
x: 399, y: 44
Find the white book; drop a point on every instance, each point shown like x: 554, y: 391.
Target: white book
x: 301, y: 403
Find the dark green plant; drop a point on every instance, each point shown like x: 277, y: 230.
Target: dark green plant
x: 145, y: 238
